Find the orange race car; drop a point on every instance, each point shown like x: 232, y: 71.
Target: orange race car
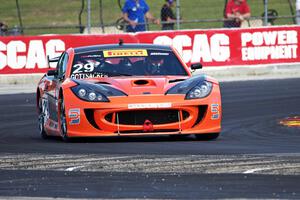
x: 127, y: 89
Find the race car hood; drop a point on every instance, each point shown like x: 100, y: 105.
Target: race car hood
x: 144, y: 85
x: 139, y: 85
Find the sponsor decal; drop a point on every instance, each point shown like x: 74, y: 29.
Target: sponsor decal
x: 269, y: 45
x: 291, y: 121
x: 88, y: 75
x: 74, y: 115
x: 159, y: 54
x: 125, y: 53
x: 91, y: 56
x: 149, y: 105
x: 215, y: 110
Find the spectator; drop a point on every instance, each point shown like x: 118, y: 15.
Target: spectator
x: 135, y: 12
x: 167, y: 16
x: 3, y: 29
x: 298, y: 12
x: 236, y: 12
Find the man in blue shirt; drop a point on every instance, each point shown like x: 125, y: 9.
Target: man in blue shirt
x: 134, y: 13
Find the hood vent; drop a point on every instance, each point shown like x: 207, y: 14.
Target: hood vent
x: 176, y: 80
x: 141, y: 82
x: 105, y: 83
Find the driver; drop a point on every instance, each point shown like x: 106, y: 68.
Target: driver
x: 153, y: 65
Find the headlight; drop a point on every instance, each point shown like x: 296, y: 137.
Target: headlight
x: 82, y: 92
x: 194, y: 88
x: 89, y: 94
x: 202, y: 90
x: 92, y: 96
x: 95, y: 92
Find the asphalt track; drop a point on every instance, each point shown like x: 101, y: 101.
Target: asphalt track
x: 254, y: 158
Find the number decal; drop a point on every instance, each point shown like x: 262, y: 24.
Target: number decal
x: 80, y: 68
x: 215, y: 110
x: 89, y: 67
x: 74, y: 115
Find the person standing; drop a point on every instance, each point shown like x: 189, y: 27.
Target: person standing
x: 236, y: 12
x: 167, y: 16
x: 298, y: 12
x: 134, y: 13
x: 3, y: 29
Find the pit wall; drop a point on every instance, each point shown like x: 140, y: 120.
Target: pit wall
x: 214, y: 47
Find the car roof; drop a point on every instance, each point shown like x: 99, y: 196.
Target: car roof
x: 123, y: 46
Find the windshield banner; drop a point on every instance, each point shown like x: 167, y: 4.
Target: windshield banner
x: 215, y: 47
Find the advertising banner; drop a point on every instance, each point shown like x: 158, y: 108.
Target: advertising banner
x: 232, y: 46
x: 215, y: 47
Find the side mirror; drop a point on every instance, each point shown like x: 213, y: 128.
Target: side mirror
x: 52, y: 60
x: 52, y: 73
x: 196, y: 66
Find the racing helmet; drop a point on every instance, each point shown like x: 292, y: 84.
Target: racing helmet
x: 154, y: 64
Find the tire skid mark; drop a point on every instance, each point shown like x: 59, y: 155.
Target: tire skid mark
x: 268, y: 164
x: 56, y: 162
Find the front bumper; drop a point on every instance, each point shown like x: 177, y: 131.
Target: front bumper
x: 119, y: 118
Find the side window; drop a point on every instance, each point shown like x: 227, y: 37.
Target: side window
x: 62, y: 65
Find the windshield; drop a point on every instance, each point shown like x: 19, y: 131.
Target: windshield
x: 126, y: 62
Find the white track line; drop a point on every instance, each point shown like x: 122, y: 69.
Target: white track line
x: 70, y: 169
x: 250, y: 171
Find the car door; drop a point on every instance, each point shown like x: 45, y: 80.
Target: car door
x: 54, y: 87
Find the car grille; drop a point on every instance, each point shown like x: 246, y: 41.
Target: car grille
x: 138, y: 117
x: 154, y: 131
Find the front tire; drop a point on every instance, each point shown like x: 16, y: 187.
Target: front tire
x: 41, y: 121
x: 63, y: 122
x: 206, y: 137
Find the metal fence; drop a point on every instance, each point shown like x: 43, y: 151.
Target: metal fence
x: 32, y: 17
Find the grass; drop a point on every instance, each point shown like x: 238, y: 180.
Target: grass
x: 36, y: 13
